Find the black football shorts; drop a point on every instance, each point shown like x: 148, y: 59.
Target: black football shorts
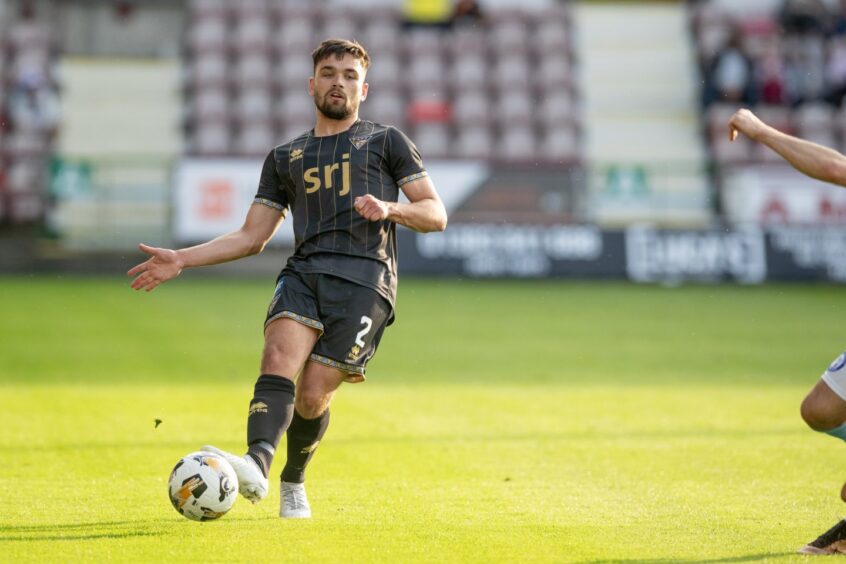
x: 350, y: 317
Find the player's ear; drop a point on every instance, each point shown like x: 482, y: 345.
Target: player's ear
x: 365, y: 88
x: 311, y: 86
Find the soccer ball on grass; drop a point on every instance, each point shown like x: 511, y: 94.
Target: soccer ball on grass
x: 203, y: 486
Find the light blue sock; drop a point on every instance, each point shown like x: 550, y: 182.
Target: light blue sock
x: 838, y: 432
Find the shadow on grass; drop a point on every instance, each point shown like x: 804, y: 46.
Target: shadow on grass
x: 81, y: 531
x: 98, y: 530
x: 468, y: 438
x: 727, y: 560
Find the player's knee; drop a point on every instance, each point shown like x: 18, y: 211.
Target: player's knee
x: 310, y: 403
x: 816, y: 416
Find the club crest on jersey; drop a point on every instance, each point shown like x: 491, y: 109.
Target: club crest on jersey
x: 838, y: 363
x: 296, y: 155
x: 359, y: 141
x: 354, y: 352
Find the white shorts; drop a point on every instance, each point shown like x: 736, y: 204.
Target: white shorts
x: 835, y: 376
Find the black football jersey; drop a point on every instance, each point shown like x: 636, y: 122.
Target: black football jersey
x: 318, y: 179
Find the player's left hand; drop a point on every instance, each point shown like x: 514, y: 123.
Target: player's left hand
x: 371, y: 209
x: 744, y: 121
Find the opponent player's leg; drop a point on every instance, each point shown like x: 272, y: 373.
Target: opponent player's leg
x: 315, y: 389
x: 824, y: 410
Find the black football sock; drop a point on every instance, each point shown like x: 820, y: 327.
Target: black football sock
x: 271, y: 410
x: 303, y: 438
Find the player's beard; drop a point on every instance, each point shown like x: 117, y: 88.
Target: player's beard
x: 331, y: 111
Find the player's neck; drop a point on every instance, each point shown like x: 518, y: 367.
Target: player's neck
x: 325, y: 126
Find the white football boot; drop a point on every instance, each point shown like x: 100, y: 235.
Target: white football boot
x: 251, y: 482
x: 293, y: 503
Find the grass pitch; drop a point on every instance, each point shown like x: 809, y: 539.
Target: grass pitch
x: 501, y: 422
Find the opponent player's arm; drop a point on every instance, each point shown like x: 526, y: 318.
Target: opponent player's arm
x: 424, y: 213
x: 808, y: 158
x: 258, y: 228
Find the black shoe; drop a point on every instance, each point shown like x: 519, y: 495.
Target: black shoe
x: 830, y: 542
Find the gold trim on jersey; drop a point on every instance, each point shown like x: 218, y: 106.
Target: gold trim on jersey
x: 411, y: 177
x: 349, y: 368
x: 307, y: 321
x: 269, y: 203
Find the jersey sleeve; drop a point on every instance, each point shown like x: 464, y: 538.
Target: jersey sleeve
x: 273, y: 189
x: 404, y: 159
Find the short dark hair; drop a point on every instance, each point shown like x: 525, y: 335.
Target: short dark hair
x: 339, y: 48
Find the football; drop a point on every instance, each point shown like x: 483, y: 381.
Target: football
x: 202, y: 486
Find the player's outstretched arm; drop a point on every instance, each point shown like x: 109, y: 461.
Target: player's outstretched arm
x: 424, y: 213
x: 808, y: 158
x: 164, y: 264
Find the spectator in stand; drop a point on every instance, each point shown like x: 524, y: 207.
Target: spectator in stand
x: 467, y: 12
x: 805, y: 68
x: 835, y: 71
x: 730, y: 77
x: 805, y: 17
x: 771, y: 76
x: 427, y: 13
x: 33, y: 103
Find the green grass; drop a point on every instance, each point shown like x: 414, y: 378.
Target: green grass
x: 501, y: 422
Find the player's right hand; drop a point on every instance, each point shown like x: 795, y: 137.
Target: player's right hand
x: 162, y: 265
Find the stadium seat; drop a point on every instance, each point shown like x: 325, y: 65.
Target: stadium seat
x: 251, y: 9
x: 294, y: 106
x: 251, y: 34
x: 210, y: 104
x: 512, y: 69
x: 381, y: 38
x: 432, y: 139
x: 467, y: 42
x: 474, y: 142
x: 25, y: 208
x: 730, y: 152
x: 812, y: 118
x: 514, y: 107
x: 469, y: 71
x: 385, y: 106
x: 338, y: 26
x: 508, y: 35
x: 385, y: 75
x: 557, y: 108
x: 425, y: 71
x: 201, y: 9
x: 254, y: 69
x: 516, y: 144
x: 292, y: 73
x: 296, y: 36
x: 255, y: 140
x: 471, y: 107
x: 211, y: 139
x: 208, y: 35
x: 551, y: 36
x: 208, y: 69
x: 560, y: 144
x: 554, y: 72
x: 254, y: 105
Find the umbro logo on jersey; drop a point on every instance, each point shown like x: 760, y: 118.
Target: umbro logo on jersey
x: 258, y: 407
x: 296, y: 154
x: 358, y: 142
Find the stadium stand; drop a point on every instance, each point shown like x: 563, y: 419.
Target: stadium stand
x: 504, y: 88
x: 784, y: 59
x: 30, y: 110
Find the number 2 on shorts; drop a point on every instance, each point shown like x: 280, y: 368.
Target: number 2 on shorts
x: 368, y: 323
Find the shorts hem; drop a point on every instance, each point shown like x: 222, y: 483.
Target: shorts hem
x: 835, y: 386
x: 343, y: 366
x: 307, y: 321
